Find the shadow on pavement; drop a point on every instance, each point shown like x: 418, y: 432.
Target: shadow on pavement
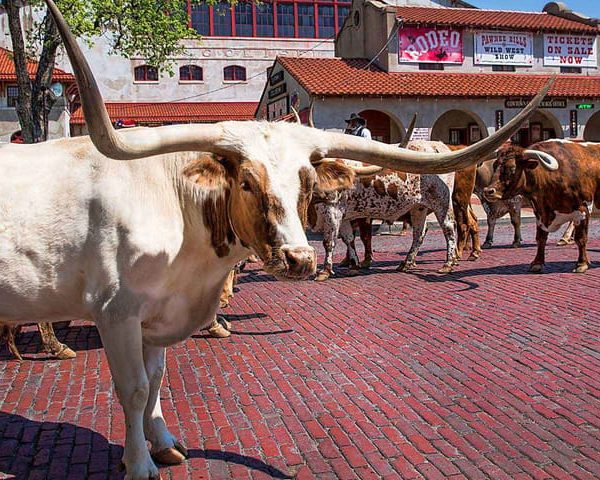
x: 31, y: 449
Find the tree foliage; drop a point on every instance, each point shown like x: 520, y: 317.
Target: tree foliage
x: 151, y: 29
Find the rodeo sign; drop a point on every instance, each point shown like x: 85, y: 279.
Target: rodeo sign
x: 503, y: 48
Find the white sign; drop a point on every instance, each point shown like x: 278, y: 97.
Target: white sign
x: 503, y: 48
x: 570, y: 50
x: 421, y: 134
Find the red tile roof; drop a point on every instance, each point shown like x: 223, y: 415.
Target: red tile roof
x: 471, y: 17
x: 335, y: 77
x: 202, y: 112
x: 7, y: 69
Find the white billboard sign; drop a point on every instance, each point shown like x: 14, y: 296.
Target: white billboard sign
x: 570, y: 51
x: 503, y: 48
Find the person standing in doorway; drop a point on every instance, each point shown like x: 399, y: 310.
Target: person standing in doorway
x: 357, y: 125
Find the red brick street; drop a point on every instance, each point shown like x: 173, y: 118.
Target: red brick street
x: 490, y: 372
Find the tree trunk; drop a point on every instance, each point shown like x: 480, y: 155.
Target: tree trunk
x: 24, y: 110
x: 42, y: 98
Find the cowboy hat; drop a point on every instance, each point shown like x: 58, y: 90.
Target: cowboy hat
x: 356, y: 117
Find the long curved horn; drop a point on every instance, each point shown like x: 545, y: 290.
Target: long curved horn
x: 409, y: 132
x: 330, y: 144
x: 311, y: 110
x: 296, y: 115
x: 123, y: 145
x: 545, y: 159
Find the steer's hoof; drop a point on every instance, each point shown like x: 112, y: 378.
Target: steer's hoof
x: 65, y: 353
x: 323, y: 275
x: 169, y: 456
x: 345, y: 262
x: 487, y: 245
x: 445, y: 269
x: 367, y: 262
x: 536, y: 268
x: 217, y: 330
x: 516, y: 245
x: 404, y: 267
x: 581, y: 268
x: 474, y: 256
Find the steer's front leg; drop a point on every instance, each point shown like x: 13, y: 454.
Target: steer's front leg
x: 165, y: 448
x: 122, y: 340
x: 541, y: 237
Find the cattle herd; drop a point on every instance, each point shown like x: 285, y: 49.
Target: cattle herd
x: 139, y: 230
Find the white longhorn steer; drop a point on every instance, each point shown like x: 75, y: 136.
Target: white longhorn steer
x: 143, y: 247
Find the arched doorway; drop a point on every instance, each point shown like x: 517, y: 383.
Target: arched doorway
x: 457, y: 127
x: 542, y: 126
x: 383, y: 127
x: 591, y: 133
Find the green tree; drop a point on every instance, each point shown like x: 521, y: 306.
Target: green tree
x: 152, y: 29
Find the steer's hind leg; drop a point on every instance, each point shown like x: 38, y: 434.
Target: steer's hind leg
x: 122, y: 340
x: 51, y: 345
x: 446, y: 221
x: 165, y: 448
x: 347, y: 234
x: 515, y: 220
x: 581, y: 236
x: 419, y: 220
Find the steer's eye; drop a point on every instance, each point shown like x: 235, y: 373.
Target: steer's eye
x: 245, y: 186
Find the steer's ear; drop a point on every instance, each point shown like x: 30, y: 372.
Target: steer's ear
x: 333, y: 176
x: 207, y: 171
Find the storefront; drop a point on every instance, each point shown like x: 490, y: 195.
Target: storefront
x: 465, y: 72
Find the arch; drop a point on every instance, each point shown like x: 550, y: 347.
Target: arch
x: 458, y: 127
x: 591, y: 133
x: 383, y: 126
x: 145, y: 73
x: 234, y: 73
x: 542, y: 125
x: 190, y: 73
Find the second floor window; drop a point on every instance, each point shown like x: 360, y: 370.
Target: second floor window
x: 234, y: 73
x: 190, y: 73
x: 145, y: 73
x: 269, y: 18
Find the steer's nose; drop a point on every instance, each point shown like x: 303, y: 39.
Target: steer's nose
x: 301, y: 261
x: 489, y: 192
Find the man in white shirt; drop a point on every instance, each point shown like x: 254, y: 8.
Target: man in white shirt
x: 357, y: 125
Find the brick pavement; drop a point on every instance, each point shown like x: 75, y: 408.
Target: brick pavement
x: 488, y: 373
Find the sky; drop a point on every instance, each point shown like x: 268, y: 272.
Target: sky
x: 591, y: 8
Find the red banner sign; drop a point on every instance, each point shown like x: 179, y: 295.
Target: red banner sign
x: 430, y: 45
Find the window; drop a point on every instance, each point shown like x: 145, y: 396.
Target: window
x: 285, y: 20
x: 243, y: 19
x: 190, y: 73
x: 306, y: 20
x: 12, y: 95
x: 146, y: 73
x: 326, y: 21
x: 234, y: 73
x: 200, y: 18
x: 570, y: 69
x: 222, y: 19
x: 269, y: 18
x: 431, y: 66
x: 504, y: 68
x: 264, y: 20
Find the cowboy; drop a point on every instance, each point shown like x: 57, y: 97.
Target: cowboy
x: 357, y: 125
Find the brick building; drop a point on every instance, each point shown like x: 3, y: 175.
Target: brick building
x: 465, y: 71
